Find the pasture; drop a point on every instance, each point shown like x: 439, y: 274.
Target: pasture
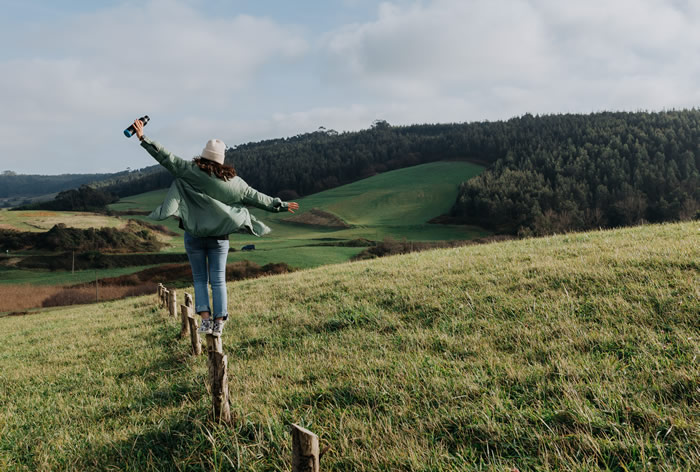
x: 572, y: 352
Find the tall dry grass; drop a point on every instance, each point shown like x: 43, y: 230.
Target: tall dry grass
x: 82, y: 295
x: 14, y: 298
x: 25, y: 296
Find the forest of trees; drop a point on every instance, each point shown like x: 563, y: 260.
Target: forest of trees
x: 576, y: 172
x: 136, y: 181
x: 544, y: 174
x: 13, y: 184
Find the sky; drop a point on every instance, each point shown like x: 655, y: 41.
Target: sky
x: 75, y: 73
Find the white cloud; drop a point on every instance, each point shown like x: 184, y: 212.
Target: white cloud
x: 75, y: 77
x: 525, y: 55
x: 422, y: 49
x: 68, y: 88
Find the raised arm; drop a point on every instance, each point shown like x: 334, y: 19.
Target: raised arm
x: 170, y: 161
x: 252, y: 197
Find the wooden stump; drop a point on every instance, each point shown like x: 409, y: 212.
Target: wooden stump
x: 159, y: 295
x: 305, y: 450
x: 194, y: 334
x: 218, y: 379
x: 172, y: 306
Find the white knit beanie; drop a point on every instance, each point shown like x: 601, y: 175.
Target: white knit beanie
x: 214, y: 150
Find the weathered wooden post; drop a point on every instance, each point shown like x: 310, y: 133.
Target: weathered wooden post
x: 166, y: 297
x: 185, y: 329
x: 172, y: 306
x: 158, y: 293
x: 194, y: 334
x: 184, y: 323
x: 218, y: 379
x: 305, y: 450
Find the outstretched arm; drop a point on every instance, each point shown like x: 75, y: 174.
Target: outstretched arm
x: 250, y: 196
x: 170, y: 161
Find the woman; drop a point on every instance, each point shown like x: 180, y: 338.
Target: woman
x: 210, y: 201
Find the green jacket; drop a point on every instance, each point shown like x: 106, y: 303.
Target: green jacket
x: 207, y: 205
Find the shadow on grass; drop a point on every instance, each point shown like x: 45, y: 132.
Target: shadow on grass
x: 175, y: 441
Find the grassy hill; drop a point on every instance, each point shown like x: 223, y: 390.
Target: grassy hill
x: 396, y: 204
x: 574, y: 352
x: 409, y: 196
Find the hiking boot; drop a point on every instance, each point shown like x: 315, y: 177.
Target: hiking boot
x: 206, y: 326
x: 218, y: 327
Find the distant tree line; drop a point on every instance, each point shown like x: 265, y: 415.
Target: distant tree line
x: 84, y: 198
x: 136, y: 181
x: 23, y: 185
x: 545, y: 173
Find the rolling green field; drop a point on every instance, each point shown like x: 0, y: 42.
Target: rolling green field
x: 394, y: 204
x: 574, y: 352
x: 403, y: 197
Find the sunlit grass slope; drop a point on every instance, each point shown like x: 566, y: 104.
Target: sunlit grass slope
x: 575, y: 352
x: 42, y: 220
x: 409, y: 196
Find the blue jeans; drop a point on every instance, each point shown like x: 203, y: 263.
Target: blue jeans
x: 208, y: 253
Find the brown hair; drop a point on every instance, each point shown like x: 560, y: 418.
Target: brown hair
x: 222, y: 171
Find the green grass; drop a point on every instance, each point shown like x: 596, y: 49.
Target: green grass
x: 42, y: 220
x: 302, y: 257
x: 396, y: 204
x: 574, y: 352
x: 403, y: 197
x: 46, y: 277
x: 141, y: 202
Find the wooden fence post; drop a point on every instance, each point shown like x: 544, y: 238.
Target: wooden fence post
x: 172, y: 306
x: 305, y: 450
x: 166, y: 297
x: 194, y: 334
x: 161, y: 288
x: 184, y: 309
x: 184, y: 323
x: 218, y: 379
x: 158, y: 295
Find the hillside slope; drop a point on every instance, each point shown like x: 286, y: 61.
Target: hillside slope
x: 563, y: 353
x: 409, y: 196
